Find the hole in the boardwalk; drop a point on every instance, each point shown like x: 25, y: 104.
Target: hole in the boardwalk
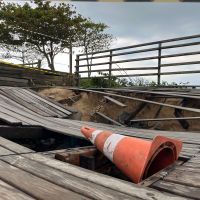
x: 162, y: 159
x: 74, y: 150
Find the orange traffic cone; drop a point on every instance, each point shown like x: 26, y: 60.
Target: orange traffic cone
x: 136, y: 158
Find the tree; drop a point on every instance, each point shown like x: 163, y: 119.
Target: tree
x: 25, y: 53
x: 48, y: 28
x: 93, y: 39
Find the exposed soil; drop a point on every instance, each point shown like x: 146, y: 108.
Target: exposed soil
x: 88, y: 103
x: 57, y: 94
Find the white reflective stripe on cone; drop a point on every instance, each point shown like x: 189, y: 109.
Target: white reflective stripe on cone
x: 94, y: 135
x: 110, y: 144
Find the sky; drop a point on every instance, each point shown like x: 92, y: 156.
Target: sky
x: 135, y: 23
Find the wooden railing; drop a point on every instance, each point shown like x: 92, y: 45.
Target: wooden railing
x: 150, y: 58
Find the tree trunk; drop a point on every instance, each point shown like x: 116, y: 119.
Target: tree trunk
x: 70, y: 59
x: 39, y: 64
x: 88, y: 66
x: 50, y: 61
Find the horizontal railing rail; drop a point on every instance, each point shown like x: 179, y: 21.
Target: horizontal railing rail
x: 156, y: 54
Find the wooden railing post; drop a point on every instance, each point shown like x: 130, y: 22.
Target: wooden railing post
x: 110, y: 68
x: 70, y: 59
x: 77, y: 71
x: 159, y: 61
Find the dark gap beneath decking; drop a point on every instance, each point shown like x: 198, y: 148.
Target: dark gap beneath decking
x: 40, y: 139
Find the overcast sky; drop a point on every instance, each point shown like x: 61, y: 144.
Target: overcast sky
x: 133, y: 23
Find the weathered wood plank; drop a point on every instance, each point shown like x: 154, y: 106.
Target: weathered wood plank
x: 65, y: 180
x: 10, y: 83
x: 159, y: 175
x: 34, y: 186
x: 108, y: 118
x: 178, y: 189
x: 100, y: 179
x: 20, y: 115
x: 22, y: 101
x: 70, y: 109
x: 165, y: 119
x: 9, y: 103
x: 9, y: 79
x: 189, y: 169
x: 157, y: 93
x: 48, y: 102
x: 9, y: 119
x: 5, y: 152
x: 12, y: 146
x: 181, y: 177
x: 14, y: 75
x: 42, y: 104
x: 189, y: 138
x: 115, y: 101
x: 8, y: 192
x: 18, y: 93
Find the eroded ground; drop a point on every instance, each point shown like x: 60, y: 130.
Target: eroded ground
x: 87, y: 104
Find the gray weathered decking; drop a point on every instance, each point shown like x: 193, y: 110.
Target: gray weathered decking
x: 25, y: 174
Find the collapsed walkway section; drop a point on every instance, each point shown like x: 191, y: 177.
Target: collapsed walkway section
x: 40, y: 142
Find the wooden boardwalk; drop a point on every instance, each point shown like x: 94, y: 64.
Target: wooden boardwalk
x: 26, y: 174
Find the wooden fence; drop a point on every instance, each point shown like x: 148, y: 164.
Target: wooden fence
x: 147, y: 59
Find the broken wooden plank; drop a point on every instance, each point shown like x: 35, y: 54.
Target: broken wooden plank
x: 108, y: 118
x: 23, y: 102
x: 9, y: 119
x: 43, y: 104
x: 165, y: 119
x: 28, y: 98
x: 141, y: 100
x: 47, y: 101
x: 115, y: 101
x: 168, y: 94
x: 70, y: 109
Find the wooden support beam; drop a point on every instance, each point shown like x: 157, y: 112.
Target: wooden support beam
x: 73, y: 156
x: 165, y: 93
x: 108, y: 118
x: 115, y: 101
x: 141, y: 100
x: 165, y: 119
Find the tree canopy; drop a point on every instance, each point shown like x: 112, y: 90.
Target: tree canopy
x: 49, y: 29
